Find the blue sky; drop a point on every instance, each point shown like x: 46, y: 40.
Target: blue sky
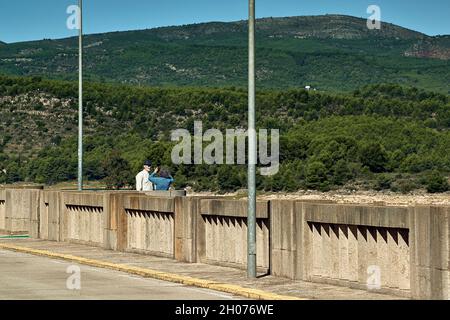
x: 22, y: 20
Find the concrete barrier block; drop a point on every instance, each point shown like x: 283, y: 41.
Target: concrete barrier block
x: 187, y: 213
x: 233, y: 208
x: 222, y: 233
x: 169, y: 193
x: 286, y: 235
x: 21, y: 204
x: 49, y: 215
x: 82, y: 217
x: 87, y: 198
x: 389, y: 217
x: 157, y: 204
x: 430, y: 252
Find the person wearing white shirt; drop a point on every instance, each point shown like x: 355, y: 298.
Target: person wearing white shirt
x: 142, y: 179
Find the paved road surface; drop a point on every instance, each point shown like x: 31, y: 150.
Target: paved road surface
x: 24, y: 277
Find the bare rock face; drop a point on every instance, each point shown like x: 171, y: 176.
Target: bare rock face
x: 435, y: 48
x: 333, y: 27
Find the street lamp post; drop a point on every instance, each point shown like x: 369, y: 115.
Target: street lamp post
x: 80, y: 98
x: 251, y: 219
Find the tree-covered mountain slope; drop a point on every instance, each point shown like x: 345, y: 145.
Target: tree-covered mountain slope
x: 330, y: 53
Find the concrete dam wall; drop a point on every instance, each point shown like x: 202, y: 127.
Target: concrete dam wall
x: 400, y: 250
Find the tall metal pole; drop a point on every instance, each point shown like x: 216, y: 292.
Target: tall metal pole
x: 251, y: 219
x: 80, y: 98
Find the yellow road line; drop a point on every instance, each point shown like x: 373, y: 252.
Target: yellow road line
x: 159, y: 275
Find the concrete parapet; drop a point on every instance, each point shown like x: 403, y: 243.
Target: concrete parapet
x: 187, y: 215
x: 50, y: 215
x: 233, y: 208
x: 287, y: 227
x: 169, y: 193
x: 25, y: 187
x: 150, y: 225
x: 149, y: 203
x: 375, y: 216
x: 399, y: 250
x: 342, y: 244
x: 86, y: 198
x: 22, y: 210
x: 222, y: 233
x: 83, y: 217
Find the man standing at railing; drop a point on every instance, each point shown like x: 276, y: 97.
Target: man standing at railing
x: 142, y: 179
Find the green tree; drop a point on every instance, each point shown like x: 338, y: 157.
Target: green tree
x: 374, y: 156
x: 341, y: 172
x: 228, y: 178
x: 118, y: 171
x: 12, y: 172
x: 316, y: 176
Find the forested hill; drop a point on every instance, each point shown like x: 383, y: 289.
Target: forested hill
x: 380, y: 136
x: 330, y: 53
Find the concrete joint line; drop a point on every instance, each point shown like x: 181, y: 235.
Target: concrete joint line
x: 159, y: 275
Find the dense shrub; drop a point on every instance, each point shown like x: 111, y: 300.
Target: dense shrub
x: 383, y: 182
x: 436, y: 182
x: 316, y: 176
x: 118, y: 171
x: 404, y: 185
